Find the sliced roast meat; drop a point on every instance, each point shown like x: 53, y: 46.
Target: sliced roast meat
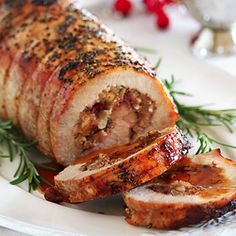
x: 198, y: 188
x: 115, y: 170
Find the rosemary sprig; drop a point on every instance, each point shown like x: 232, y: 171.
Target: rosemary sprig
x: 145, y: 50
x: 16, y: 145
x: 194, y: 118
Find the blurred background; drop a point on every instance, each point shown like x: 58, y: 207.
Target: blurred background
x: 191, y: 29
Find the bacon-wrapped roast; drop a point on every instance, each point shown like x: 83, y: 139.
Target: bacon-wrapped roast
x: 70, y: 84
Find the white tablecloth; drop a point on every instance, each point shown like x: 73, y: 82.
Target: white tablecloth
x: 172, y: 45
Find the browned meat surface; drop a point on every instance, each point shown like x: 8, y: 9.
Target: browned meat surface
x: 11, y: 14
x: 58, y: 65
x: 197, y: 188
x: 118, y: 169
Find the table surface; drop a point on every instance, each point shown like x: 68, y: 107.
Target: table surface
x: 179, y: 19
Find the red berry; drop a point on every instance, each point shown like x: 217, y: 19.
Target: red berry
x: 162, y: 20
x: 150, y: 5
x: 123, y: 6
x: 153, y: 6
x: 159, y: 9
x: 169, y: 1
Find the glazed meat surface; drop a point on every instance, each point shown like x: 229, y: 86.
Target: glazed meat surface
x: 197, y: 188
x: 115, y: 170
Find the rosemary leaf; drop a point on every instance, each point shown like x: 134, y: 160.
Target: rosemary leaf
x: 193, y: 119
x: 20, y: 179
x: 16, y: 145
x: 145, y: 50
x: 45, y: 181
x: 45, y: 167
x: 158, y: 63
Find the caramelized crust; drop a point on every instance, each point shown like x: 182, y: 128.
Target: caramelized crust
x: 196, y: 189
x: 118, y: 169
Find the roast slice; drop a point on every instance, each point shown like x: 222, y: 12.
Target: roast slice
x: 198, y: 188
x: 119, y: 169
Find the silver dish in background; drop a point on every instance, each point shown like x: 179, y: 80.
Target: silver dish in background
x: 218, y: 33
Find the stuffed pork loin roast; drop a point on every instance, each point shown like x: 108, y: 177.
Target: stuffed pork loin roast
x: 70, y: 84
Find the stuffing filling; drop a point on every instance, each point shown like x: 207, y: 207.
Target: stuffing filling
x: 118, y: 116
x: 177, y: 188
x: 115, y: 154
x: 189, y: 178
x: 100, y: 161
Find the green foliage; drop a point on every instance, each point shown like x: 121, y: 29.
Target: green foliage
x: 17, y: 145
x: 193, y: 119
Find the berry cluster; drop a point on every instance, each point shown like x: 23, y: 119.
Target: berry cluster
x: 156, y: 7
